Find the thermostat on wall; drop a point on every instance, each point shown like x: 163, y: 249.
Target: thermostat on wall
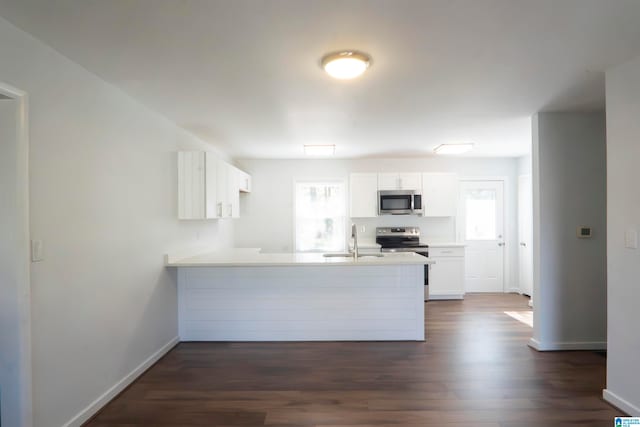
x: 584, y: 232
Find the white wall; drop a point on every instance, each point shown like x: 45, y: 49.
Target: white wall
x: 623, y: 213
x: 524, y: 169
x: 569, y: 191
x: 11, y: 357
x: 267, y: 214
x: 524, y: 165
x: 103, y: 200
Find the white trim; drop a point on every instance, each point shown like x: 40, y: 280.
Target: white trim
x: 88, y: 412
x: 514, y: 291
x: 567, y: 345
x: 446, y: 297
x: 23, y: 247
x: 620, y: 403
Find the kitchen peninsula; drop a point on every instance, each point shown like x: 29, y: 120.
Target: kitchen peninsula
x: 252, y: 296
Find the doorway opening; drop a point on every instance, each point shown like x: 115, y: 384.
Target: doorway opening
x: 482, y: 230
x: 487, y: 226
x: 15, y: 288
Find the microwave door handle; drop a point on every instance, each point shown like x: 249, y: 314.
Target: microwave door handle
x: 412, y: 203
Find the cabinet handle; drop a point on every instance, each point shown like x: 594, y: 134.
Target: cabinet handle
x: 220, y: 209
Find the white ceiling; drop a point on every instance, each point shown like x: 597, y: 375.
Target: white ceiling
x: 245, y: 75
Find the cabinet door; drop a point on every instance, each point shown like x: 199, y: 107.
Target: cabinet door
x: 409, y: 181
x: 191, y: 185
x: 222, y: 191
x: 446, y: 278
x: 363, y: 192
x: 440, y: 194
x: 211, y: 188
x: 244, y: 181
x: 233, y: 192
x: 388, y: 181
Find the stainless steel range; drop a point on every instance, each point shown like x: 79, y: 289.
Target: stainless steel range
x: 404, y: 239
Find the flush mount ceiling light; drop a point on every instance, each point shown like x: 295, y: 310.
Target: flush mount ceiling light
x: 319, y: 150
x: 453, y: 148
x: 345, y: 65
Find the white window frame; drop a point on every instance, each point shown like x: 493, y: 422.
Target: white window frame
x: 296, y: 181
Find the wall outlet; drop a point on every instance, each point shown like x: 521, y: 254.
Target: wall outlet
x: 631, y: 239
x: 37, y: 251
x: 584, y: 232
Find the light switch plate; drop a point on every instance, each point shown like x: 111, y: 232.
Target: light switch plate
x: 37, y: 251
x: 631, y: 239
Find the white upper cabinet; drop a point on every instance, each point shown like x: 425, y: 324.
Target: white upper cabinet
x: 209, y: 188
x: 363, y: 190
x: 399, y: 181
x: 244, y: 181
x: 440, y: 194
x: 196, y: 199
x: 228, y: 191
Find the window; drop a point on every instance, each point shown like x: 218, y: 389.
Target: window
x: 320, y: 216
x: 480, y: 214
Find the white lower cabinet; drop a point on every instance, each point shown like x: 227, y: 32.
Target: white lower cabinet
x: 446, y: 276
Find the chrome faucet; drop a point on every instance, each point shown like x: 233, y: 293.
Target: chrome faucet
x: 354, y: 237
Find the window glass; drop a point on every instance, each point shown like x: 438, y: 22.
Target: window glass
x: 480, y: 215
x: 320, y: 216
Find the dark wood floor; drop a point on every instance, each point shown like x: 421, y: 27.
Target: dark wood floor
x: 475, y: 369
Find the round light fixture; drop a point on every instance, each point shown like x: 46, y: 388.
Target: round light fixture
x: 345, y: 65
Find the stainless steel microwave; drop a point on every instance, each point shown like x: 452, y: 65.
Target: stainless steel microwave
x: 399, y: 202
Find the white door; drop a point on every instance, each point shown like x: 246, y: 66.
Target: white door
x: 481, y: 227
x: 525, y: 234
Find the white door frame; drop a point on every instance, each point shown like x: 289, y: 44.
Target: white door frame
x: 23, y: 247
x: 506, y: 271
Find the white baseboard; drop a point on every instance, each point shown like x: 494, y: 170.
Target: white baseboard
x: 567, y: 345
x: 446, y: 297
x: 620, y: 403
x: 513, y: 291
x: 84, y: 415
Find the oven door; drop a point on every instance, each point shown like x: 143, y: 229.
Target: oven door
x: 395, y: 202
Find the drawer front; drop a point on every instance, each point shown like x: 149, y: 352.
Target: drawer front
x: 445, y: 252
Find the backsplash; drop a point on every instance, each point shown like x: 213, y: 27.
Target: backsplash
x: 439, y: 229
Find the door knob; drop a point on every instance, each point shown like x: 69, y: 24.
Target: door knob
x: 523, y: 244
x: 501, y: 244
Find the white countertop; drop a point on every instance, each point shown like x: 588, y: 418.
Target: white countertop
x: 444, y: 244
x: 254, y: 259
